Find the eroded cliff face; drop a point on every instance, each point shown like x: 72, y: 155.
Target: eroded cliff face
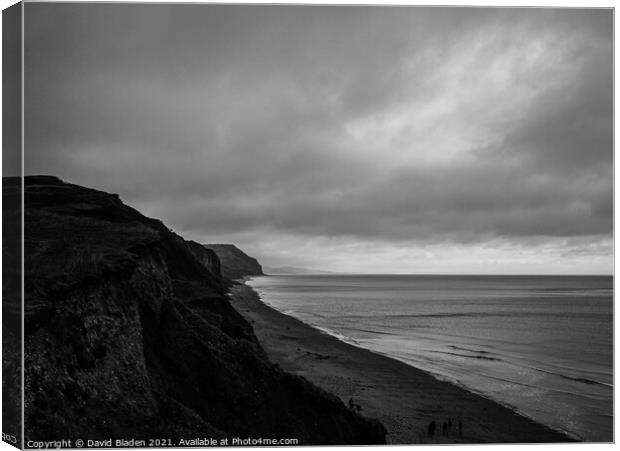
x: 129, y: 334
x: 236, y: 264
x: 11, y: 309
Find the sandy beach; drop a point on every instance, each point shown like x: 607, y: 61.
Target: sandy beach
x: 405, y: 399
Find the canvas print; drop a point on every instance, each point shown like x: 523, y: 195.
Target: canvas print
x: 288, y: 225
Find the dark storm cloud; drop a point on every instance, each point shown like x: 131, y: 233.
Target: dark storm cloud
x: 391, y: 124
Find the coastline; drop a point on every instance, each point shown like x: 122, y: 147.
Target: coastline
x: 404, y: 398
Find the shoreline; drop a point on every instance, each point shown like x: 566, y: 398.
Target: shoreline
x: 404, y: 398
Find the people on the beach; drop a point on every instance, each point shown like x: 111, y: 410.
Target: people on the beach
x: 446, y: 427
x: 354, y: 406
x: 431, y: 429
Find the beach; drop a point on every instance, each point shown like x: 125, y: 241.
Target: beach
x: 405, y: 399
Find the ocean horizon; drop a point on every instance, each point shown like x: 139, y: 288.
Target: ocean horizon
x: 540, y: 344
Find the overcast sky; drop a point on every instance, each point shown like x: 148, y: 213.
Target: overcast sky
x: 356, y: 139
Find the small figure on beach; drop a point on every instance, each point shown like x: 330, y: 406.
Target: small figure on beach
x: 444, y: 429
x: 431, y: 429
x: 449, y: 425
x: 354, y: 406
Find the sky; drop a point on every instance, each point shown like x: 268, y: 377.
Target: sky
x: 352, y: 139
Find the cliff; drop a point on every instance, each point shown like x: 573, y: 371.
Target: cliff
x: 235, y: 263
x: 11, y: 309
x: 128, y: 333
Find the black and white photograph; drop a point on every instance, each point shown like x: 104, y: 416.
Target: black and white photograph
x: 232, y: 225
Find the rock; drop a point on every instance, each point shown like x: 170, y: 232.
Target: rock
x: 236, y: 264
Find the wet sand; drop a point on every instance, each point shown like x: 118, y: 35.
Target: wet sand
x: 405, y: 399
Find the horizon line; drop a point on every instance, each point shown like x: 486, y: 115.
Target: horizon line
x: 335, y: 273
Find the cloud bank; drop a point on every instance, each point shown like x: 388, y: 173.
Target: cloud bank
x: 372, y: 139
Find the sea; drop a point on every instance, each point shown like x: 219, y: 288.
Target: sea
x: 541, y: 345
